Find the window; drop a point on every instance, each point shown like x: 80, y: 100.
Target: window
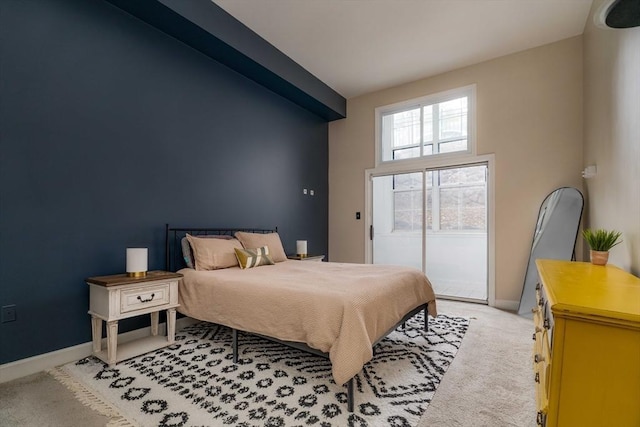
x: 407, y: 202
x: 455, y: 200
x: 462, y: 197
x: 432, y: 125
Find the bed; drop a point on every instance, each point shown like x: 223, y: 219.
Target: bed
x: 335, y: 310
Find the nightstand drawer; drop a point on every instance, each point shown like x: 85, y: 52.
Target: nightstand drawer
x: 144, y: 297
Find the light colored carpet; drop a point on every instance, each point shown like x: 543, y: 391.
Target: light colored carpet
x: 40, y: 400
x: 490, y: 382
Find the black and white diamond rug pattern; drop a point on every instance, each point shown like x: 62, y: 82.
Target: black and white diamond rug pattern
x: 194, y: 382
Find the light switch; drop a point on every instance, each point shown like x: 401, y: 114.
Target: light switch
x: 312, y: 192
x: 304, y: 191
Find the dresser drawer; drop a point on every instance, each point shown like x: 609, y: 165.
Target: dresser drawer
x: 542, y: 365
x: 543, y: 328
x: 544, y: 317
x: 144, y: 297
x: 542, y: 373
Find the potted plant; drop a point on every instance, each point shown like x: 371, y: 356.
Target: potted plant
x: 601, y: 241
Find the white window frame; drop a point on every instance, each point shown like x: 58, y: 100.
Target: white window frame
x: 468, y: 91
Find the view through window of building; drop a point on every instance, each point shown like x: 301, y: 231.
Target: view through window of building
x: 427, y: 128
x: 455, y: 200
x: 435, y: 218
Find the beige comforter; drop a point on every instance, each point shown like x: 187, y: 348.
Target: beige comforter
x: 340, y: 309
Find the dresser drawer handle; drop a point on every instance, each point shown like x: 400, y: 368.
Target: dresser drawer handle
x: 546, y: 323
x: 540, y: 418
x: 537, y: 286
x: 537, y: 377
x: 146, y: 300
x: 538, y: 358
x: 534, y: 336
x: 541, y: 302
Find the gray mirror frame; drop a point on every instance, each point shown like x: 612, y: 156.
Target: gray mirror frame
x: 566, y: 252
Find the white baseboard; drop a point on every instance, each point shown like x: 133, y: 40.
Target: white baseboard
x: 508, y: 305
x: 31, y: 365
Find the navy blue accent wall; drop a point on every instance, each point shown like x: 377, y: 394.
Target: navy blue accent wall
x: 109, y: 129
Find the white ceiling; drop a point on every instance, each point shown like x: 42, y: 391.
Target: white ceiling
x: 360, y: 46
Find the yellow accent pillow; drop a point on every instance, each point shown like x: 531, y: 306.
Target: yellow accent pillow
x: 249, y: 258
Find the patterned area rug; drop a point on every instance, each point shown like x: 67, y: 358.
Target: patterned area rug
x: 194, y: 382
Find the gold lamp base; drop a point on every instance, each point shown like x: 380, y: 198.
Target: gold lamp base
x: 302, y: 255
x: 137, y: 274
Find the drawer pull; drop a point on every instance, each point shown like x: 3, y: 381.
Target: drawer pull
x: 534, y: 336
x: 541, y: 302
x: 537, y: 286
x: 537, y: 377
x: 538, y: 358
x: 546, y: 323
x: 540, y: 419
x: 146, y: 300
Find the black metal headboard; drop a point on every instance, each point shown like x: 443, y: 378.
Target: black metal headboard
x: 173, y: 241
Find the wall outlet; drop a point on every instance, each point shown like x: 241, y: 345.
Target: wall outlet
x: 304, y: 191
x: 357, y: 215
x: 8, y: 313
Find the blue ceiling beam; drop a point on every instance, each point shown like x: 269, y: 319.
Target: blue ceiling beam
x: 209, y: 29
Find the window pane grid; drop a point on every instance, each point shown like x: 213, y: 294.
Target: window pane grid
x: 463, y: 209
x: 455, y: 200
x: 432, y: 125
x: 406, y: 128
x: 453, y: 118
x: 406, y: 153
x: 408, y: 210
x: 427, y: 120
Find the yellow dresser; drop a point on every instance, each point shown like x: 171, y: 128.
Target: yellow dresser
x: 587, y: 345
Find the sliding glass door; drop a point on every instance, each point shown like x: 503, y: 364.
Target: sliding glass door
x: 435, y: 220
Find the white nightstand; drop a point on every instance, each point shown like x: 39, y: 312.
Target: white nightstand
x: 116, y: 297
x: 316, y: 258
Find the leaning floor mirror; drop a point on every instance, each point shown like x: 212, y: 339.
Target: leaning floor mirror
x: 554, y: 238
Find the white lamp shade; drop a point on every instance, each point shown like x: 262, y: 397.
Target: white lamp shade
x: 301, y: 247
x: 137, y: 260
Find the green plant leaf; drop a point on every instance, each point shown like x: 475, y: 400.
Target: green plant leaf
x: 600, y: 239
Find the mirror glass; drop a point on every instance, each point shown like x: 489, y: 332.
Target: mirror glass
x: 554, y: 238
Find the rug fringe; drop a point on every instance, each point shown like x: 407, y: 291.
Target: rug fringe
x: 90, y: 399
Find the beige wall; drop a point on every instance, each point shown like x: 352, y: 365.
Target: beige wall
x: 529, y: 113
x: 612, y: 135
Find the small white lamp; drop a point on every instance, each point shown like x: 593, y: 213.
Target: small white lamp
x: 301, y: 248
x: 137, y: 262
